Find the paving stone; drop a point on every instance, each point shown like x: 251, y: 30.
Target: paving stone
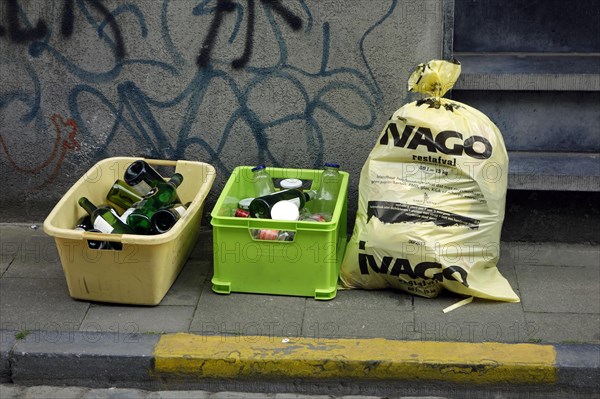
x: 562, y: 327
x: 115, y: 393
x: 188, y: 286
x: 551, y: 254
x: 202, y: 251
x: 357, y: 323
x: 247, y: 314
x: 35, y: 257
x: 480, y: 321
x: 178, y: 395
x: 365, y: 299
x: 38, y: 304
x: 4, y: 263
x: 9, y: 391
x: 358, y: 397
x: 423, y: 397
x: 6, y: 256
x: 52, y: 392
x: 13, y: 239
x: 241, y: 395
x: 560, y: 289
x: 137, y: 319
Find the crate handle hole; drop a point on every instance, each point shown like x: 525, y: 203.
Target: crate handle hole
x: 104, y: 245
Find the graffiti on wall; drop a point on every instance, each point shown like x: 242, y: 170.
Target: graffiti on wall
x: 129, y: 103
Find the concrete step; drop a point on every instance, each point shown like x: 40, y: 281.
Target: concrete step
x: 534, y: 25
x: 529, y: 71
x: 554, y: 171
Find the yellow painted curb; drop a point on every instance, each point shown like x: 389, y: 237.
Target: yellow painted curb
x: 255, y: 356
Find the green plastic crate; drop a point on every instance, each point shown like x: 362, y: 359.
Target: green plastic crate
x: 308, y: 266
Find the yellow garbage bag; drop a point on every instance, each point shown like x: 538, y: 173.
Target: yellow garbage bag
x: 432, y: 195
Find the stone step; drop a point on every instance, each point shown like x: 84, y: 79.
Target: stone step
x: 554, y: 171
x: 539, y: 121
x: 529, y: 72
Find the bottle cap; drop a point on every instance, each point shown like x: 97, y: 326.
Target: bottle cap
x: 259, y: 167
x: 332, y: 165
x: 291, y: 183
x: 244, y: 203
x: 285, y: 210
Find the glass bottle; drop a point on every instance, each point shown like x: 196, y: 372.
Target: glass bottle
x: 261, y: 207
x: 104, y: 218
x: 327, y: 194
x: 123, y: 195
x: 142, y: 177
x: 272, y: 235
x: 161, y: 196
x: 95, y: 244
x: 164, y: 219
x: 263, y: 184
x: 84, y: 223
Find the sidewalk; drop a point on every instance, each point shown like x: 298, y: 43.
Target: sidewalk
x: 366, y: 341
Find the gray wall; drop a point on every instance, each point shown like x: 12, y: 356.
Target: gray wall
x: 310, y: 83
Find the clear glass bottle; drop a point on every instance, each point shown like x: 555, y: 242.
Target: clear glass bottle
x: 161, y: 196
x: 327, y: 194
x: 261, y: 179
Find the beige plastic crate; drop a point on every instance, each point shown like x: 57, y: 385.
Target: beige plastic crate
x: 144, y: 269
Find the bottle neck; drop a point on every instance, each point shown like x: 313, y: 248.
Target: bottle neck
x: 87, y: 205
x: 175, y: 180
x: 310, y: 195
x: 330, y: 171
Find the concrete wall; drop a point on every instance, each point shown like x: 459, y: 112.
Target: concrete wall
x: 290, y: 83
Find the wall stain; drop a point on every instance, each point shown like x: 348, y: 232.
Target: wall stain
x: 58, y: 153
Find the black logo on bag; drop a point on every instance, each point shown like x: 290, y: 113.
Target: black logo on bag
x: 477, y: 147
x: 400, y: 266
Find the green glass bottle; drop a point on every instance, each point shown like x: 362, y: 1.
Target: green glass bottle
x: 164, y: 219
x: 161, y: 196
x: 104, y: 219
x: 123, y: 195
x: 142, y: 177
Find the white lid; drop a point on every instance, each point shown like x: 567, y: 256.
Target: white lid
x: 285, y: 210
x: 244, y: 203
x: 291, y: 183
